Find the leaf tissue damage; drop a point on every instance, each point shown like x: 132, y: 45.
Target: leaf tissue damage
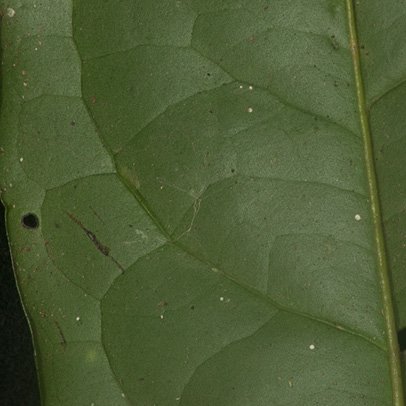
x: 188, y: 204
x: 102, y: 248
x: 30, y: 220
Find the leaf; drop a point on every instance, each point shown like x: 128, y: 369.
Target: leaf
x: 191, y: 199
x: 386, y: 118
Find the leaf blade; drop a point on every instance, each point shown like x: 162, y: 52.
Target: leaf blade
x: 233, y: 204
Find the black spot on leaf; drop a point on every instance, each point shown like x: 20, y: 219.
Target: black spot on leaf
x: 30, y: 221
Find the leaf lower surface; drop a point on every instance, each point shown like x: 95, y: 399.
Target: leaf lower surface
x: 212, y: 151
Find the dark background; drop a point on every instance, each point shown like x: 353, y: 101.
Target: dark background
x: 18, y: 379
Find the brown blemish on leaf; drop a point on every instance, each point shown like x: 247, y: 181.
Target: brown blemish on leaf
x: 102, y: 248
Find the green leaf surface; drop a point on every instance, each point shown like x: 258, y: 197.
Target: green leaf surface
x: 208, y: 223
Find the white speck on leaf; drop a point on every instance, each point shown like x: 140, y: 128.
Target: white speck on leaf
x: 250, y: 110
x: 10, y: 12
x: 141, y: 234
x: 357, y: 217
x: 311, y: 346
x: 222, y: 298
x: 21, y: 159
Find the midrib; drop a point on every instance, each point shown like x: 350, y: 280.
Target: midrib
x: 389, y: 319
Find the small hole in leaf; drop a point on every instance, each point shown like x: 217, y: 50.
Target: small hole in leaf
x: 30, y: 220
x: 402, y: 339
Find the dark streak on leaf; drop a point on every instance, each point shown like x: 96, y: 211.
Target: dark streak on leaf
x: 102, y: 248
x: 63, y: 342
x: 94, y: 212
